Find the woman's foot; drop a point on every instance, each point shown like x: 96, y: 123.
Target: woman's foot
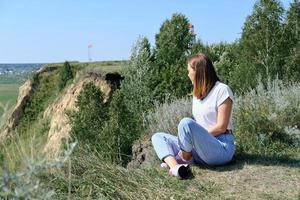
x: 181, y: 171
x: 181, y: 160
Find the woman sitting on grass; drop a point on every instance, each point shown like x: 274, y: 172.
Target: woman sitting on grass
x: 208, y: 139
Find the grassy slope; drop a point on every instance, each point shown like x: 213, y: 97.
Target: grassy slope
x: 249, y: 177
x: 9, y: 84
x: 32, y: 128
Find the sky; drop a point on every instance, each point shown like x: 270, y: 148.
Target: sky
x: 43, y: 31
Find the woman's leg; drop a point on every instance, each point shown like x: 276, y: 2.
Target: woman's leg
x: 211, y: 150
x: 166, y: 147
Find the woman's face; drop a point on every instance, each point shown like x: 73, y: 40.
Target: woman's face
x: 191, y: 73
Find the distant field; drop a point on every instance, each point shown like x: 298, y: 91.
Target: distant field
x: 9, y: 89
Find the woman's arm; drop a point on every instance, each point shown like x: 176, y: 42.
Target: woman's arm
x: 224, y: 111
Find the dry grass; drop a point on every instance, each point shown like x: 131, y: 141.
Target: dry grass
x: 244, y: 180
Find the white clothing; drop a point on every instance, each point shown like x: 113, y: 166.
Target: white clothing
x: 205, y: 111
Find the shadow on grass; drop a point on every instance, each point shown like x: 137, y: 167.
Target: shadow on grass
x: 239, y: 160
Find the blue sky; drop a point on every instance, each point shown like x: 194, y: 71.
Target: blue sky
x: 34, y: 31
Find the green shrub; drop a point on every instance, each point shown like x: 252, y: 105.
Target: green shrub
x: 167, y: 116
x: 65, y: 74
x: 26, y: 183
x: 45, y: 91
x: 268, y: 113
x: 128, y: 104
x: 87, y: 122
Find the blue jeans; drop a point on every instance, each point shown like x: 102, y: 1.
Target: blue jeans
x: 192, y: 137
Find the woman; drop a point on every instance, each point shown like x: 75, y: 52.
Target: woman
x: 206, y: 139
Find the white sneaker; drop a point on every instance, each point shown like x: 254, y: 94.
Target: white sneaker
x: 164, y: 165
x: 181, y: 171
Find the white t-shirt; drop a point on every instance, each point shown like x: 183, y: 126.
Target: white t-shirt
x: 205, y: 111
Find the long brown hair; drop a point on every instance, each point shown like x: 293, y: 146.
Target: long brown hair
x: 205, y: 77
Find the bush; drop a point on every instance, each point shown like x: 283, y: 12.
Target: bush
x: 26, y: 183
x: 166, y: 116
x: 65, y: 74
x: 87, y: 122
x: 268, y: 114
x: 45, y: 91
x: 128, y: 104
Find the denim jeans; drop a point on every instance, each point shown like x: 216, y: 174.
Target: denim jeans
x: 192, y: 137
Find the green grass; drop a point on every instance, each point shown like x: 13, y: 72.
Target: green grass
x: 246, y: 177
x: 88, y: 176
x: 9, y: 89
x: 21, y: 146
x: 270, y: 171
x: 9, y: 92
x: 106, y: 66
x: 93, y: 178
x: 97, y: 66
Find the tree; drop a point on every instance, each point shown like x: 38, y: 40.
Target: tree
x: 173, y: 45
x: 260, y: 41
x: 65, y: 74
x: 226, y: 62
x: 87, y: 122
x: 128, y: 104
x: 291, y: 40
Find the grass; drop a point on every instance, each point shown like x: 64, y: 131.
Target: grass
x: 246, y: 177
x: 259, y: 174
x: 92, y: 178
x: 8, y: 95
x: 20, y: 146
x: 106, y: 66
x: 9, y: 89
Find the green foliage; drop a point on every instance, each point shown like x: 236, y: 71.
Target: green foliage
x: 173, y: 45
x: 291, y: 42
x: 173, y: 40
x: 26, y: 182
x: 166, y: 116
x: 120, y: 130
x: 87, y: 122
x: 129, y: 103
x: 65, y: 74
x: 268, y: 115
x: 45, y: 90
x: 261, y: 36
x: 93, y: 178
x: 269, y: 47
